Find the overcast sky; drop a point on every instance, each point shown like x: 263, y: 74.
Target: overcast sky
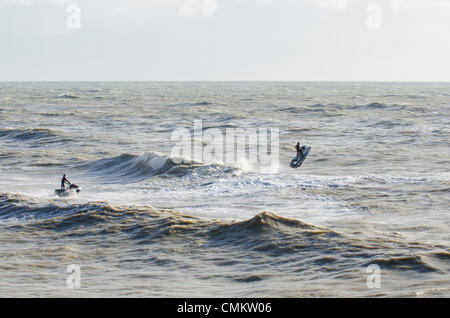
x: 304, y: 40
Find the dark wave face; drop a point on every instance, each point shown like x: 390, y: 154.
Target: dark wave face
x: 372, y: 195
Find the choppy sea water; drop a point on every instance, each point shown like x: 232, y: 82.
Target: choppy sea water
x: 373, y: 190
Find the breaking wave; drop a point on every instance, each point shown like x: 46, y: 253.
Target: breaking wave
x: 68, y: 96
x: 128, y: 168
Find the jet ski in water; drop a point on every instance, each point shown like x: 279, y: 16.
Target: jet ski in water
x: 71, y: 190
x: 301, y: 156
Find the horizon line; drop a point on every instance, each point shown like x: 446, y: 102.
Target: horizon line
x: 225, y: 81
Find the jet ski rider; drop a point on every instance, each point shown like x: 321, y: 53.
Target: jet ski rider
x: 299, y: 150
x: 63, y: 182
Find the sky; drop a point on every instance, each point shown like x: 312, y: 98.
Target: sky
x: 224, y: 40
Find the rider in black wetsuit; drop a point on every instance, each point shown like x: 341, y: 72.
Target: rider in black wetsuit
x: 63, y: 182
x: 299, y: 150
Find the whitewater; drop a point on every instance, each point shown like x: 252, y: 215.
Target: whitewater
x: 374, y: 190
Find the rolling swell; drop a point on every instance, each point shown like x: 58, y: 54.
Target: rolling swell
x: 379, y: 106
x: 128, y: 168
x: 316, y: 109
x: 203, y: 103
x: 35, y: 135
x: 413, y: 262
x: 335, y: 110
x: 265, y: 233
x: 143, y: 222
x: 274, y: 235
x: 279, y: 240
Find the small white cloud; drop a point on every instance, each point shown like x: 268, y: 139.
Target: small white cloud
x: 402, y: 5
x: 194, y: 7
x: 398, y: 5
x: 29, y: 3
x: 121, y: 10
x: 325, y: 4
x: 24, y: 3
x: 334, y: 4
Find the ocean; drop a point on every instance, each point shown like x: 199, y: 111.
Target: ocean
x: 366, y: 215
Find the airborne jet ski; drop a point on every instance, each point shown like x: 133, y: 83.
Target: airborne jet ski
x: 71, y: 190
x: 298, y: 160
